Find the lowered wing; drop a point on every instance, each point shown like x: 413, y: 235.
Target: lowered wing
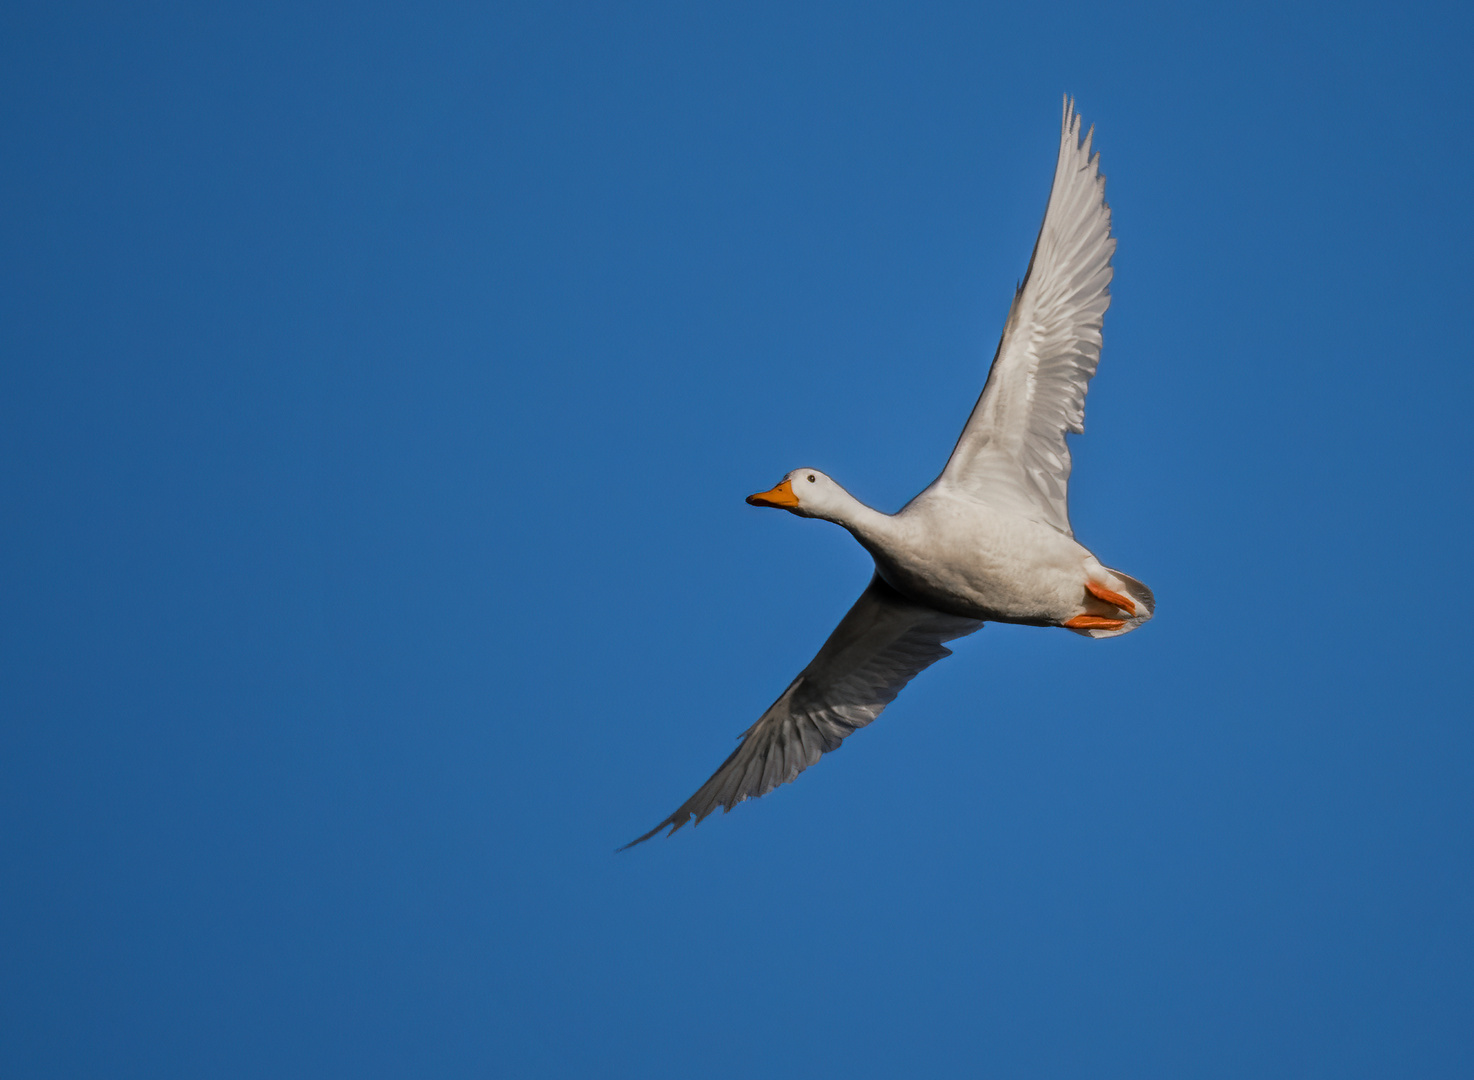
x: 877, y: 648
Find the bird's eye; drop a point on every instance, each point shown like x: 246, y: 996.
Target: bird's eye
x: 811, y: 478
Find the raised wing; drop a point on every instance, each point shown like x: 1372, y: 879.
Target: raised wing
x: 1012, y: 453
x: 877, y: 648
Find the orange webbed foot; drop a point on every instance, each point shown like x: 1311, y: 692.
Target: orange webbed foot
x: 1093, y: 622
x: 1100, y: 592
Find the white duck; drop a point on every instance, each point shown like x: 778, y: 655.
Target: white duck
x: 990, y: 539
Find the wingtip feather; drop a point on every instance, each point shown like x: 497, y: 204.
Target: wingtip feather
x: 671, y: 821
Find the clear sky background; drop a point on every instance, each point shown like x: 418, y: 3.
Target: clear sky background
x: 379, y: 388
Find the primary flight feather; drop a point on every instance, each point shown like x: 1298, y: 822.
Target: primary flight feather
x: 989, y: 540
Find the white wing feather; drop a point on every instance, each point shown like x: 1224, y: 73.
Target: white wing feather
x: 1012, y: 453
x: 877, y: 648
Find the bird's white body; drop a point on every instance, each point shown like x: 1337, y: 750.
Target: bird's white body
x: 958, y: 554
x: 990, y: 539
x: 967, y: 558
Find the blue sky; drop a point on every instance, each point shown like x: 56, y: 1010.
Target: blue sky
x: 380, y: 388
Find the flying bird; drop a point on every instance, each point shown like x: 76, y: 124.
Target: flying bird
x: 989, y: 540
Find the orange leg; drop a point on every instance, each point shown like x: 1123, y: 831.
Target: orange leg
x: 1093, y: 622
x: 1125, y: 603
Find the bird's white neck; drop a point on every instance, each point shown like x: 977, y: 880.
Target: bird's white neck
x: 865, y: 524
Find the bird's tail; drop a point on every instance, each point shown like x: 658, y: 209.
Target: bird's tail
x: 1139, y: 594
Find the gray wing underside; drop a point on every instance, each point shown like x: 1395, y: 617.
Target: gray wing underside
x: 1012, y: 452
x: 878, y: 647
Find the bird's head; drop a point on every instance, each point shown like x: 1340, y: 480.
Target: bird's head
x: 805, y: 492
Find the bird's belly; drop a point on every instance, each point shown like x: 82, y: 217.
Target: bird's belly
x: 1003, y: 570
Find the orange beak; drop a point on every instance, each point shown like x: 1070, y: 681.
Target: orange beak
x: 781, y: 496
